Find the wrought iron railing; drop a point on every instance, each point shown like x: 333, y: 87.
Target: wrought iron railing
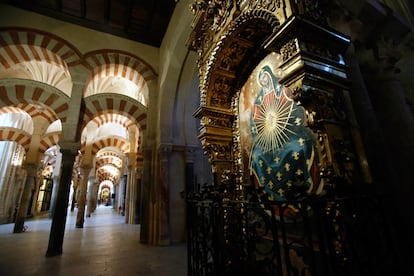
x: 318, y: 236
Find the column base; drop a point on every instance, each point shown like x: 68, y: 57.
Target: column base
x: 19, y: 226
x: 52, y: 253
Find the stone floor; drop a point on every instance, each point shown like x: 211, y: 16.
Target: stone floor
x: 105, y: 246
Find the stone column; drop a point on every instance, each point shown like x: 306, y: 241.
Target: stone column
x: 31, y: 170
x: 190, y: 185
x: 163, y: 197
x: 94, y: 196
x: 138, y: 196
x: 146, y: 195
x: 75, y: 193
x: 127, y: 195
x: 123, y: 195
x: 57, y: 230
x: 83, y: 186
x: 131, y: 194
x: 56, y: 176
x: 90, y: 194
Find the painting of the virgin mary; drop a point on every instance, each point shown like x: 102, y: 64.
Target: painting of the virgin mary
x: 283, y: 150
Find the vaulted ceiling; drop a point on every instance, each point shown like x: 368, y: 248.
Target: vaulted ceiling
x: 143, y: 21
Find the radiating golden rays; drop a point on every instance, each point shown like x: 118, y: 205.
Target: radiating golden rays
x: 272, y: 124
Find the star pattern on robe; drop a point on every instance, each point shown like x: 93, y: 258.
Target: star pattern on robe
x: 277, y: 180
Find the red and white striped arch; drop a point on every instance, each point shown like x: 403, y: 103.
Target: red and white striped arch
x: 105, y: 63
x: 30, y: 95
x: 15, y: 135
x: 117, y: 142
x: 140, y: 160
x: 113, y: 118
x: 100, y: 104
x: 103, y: 175
x: 112, y: 160
x: 49, y: 140
x: 17, y: 46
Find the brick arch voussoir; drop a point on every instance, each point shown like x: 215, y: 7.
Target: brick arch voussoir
x: 17, y: 135
x: 105, y: 57
x: 68, y: 53
x: 104, y: 103
x: 49, y: 140
x: 15, y: 92
x: 113, y: 141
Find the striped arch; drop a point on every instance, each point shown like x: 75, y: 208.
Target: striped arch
x: 110, y: 160
x: 50, y: 48
x: 48, y: 101
x: 15, y: 135
x: 103, y: 175
x: 49, y: 140
x: 114, y: 141
x: 113, y: 118
x: 105, y: 63
x: 140, y: 159
x: 100, y: 104
x: 115, y: 71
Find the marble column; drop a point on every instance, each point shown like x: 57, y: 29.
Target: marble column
x: 31, y: 170
x: 163, y: 197
x: 89, y: 196
x: 83, y: 186
x: 94, y: 196
x: 131, y: 195
x: 57, y: 230
x: 127, y: 196
x: 146, y: 196
x: 73, y: 200
x: 190, y: 185
x: 56, y: 176
x: 138, y: 196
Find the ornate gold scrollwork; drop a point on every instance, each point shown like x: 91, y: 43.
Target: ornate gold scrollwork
x: 289, y: 49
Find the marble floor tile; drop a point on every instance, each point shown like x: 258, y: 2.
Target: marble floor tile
x: 105, y: 246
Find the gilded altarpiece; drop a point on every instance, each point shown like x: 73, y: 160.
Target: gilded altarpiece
x: 278, y: 127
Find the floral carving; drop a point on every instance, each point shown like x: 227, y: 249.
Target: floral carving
x: 270, y: 5
x: 289, y: 49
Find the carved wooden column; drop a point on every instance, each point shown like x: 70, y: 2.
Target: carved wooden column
x: 216, y: 138
x: 315, y: 70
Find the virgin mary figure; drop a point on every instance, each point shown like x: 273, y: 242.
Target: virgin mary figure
x: 283, y: 153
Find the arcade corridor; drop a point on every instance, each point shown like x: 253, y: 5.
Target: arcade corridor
x: 105, y: 246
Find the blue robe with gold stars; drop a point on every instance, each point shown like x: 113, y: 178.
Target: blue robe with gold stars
x: 283, y: 149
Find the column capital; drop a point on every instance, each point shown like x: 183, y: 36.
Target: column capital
x: 84, y: 170
x: 190, y: 153
x: 68, y: 147
x: 165, y: 150
x: 31, y: 169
